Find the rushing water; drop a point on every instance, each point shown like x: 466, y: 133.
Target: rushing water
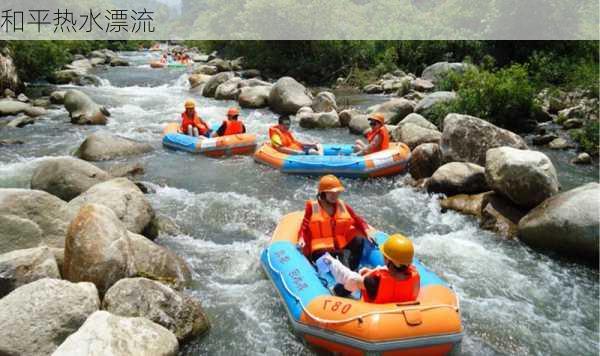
x: 514, y: 301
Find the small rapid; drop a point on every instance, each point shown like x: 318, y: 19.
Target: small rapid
x: 514, y: 301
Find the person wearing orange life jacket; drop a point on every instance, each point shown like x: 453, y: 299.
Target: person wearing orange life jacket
x: 396, y: 282
x: 231, y: 126
x: 378, y: 137
x: 283, y: 140
x: 191, y: 123
x: 331, y: 226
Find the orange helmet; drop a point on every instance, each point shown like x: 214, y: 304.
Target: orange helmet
x: 377, y: 117
x: 233, y: 112
x: 330, y: 183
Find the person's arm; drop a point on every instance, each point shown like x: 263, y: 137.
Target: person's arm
x: 359, y: 222
x: 371, y: 284
x: 371, y: 146
x: 221, y: 129
x: 304, y: 235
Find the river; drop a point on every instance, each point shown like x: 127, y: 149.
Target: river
x: 514, y: 301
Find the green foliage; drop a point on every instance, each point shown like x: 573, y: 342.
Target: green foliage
x: 588, y: 137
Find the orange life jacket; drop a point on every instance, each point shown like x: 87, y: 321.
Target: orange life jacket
x: 233, y: 127
x: 385, y: 138
x: 327, y: 232
x: 287, y: 140
x: 195, y: 122
x: 394, y: 290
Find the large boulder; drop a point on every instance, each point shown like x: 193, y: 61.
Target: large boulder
x: 83, y: 110
x: 67, y: 76
x: 196, y: 80
x: 142, y: 297
x: 82, y: 64
x: 20, y: 267
x: 414, y: 135
x: 418, y: 120
x: 425, y: 159
x: 66, y: 177
x: 324, y: 102
x: 102, y: 146
x: 249, y: 73
x: 254, y: 97
x: 421, y: 84
x: 464, y: 203
x: 29, y: 218
x: 566, y: 223
x: 525, y: 177
x: 433, y: 99
x: 10, y: 107
x: 99, y: 249
x: 467, y: 138
x: 500, y: 215
x: 439, y: 70
x: 359, y: 124
x: 221, y: 64
x: 37, y: 317
x: 118, y: 62
x: 456, y: 178
x: 400, y: 86
x: 228, y: 90
x: 287, y: 96
x: 58, y: 97
x: 111, y: 335
x: 373, y: 88
x: 347, y: 115
x: 393, y: 110
x: 206, y: 69
x: 254, y: 82
x: 211, y: 86
x: 123, y: 197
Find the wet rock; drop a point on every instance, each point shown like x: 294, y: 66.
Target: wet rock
x: 418, y: 120
x: 525, y: 177
x: 21, y: 121
x: 425, y: 160
x: 229, y: 90
x: 9, y: 94
x: 29, y: 218
x: 287, y: 96
x: 206, y: 69
x: 80, y: 64
x: 126, y: 169
x: 196, y: 80
x: 123, y: 197
x: 347, y: 115
x: 37, y: 317
x: 20, y: 267
x: 141, y: 297
x: 393, y: 110
x: 254, y: 97
x: 420, y: 84
x: 118, y: 62
x: 161, y: 224
x: 83, y: 110
x: 249, y: 73
x: 99, y: 55
x: 66, y: 177
x: 359, y: 124
x: 582, y: 158
x: 12, y: 107
x: 464, y: 203
x: 399, y: 85
x: 237, y: 63
x: 467, y: 139
x: 573, y: 124
x: 102, y: 146
x: 119, y: 336
x: 221, y: 65
x: 11, y: 142
x: 414, y: 135
x: 67, y: 76
x: 211, y: 86
x: 324, y: 102
x: 500, y: 215
x: 97, y: 61
x: 434, y: 99
x: 99, y: 249
x: 458, y: 177
x: 541, y: 140
x: 566, y: 223
x: 43, y: 102
x: 327, y: 119
x: 577, y: 111
x: 58, y: 97
x: 560, y: 144
x: 439, y: 70
x: 373, y: 89
x: 23, y: 98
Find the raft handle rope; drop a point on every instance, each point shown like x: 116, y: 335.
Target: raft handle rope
x: 357, y: 317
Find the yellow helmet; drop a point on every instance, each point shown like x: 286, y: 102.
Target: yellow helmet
x: 190, y: 104
x: 399, y: 250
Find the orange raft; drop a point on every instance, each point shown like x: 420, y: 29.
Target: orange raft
x: 157, y: 64
x: 338, y: 160
x: 429, y: 326
x: 213, y: 147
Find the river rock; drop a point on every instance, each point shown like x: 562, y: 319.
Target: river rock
x: 206, y: 69
x: 221, y: 65
x: 439, y: 70
x: 418, y: 120
x: 425, y: 160
x: 211, y: 86
x: 80, y: 64
x: 464, y: 203
x: 22, y: 98
x: 254, y: 97
x: 347, y: 115
x: 560, y: 144
x: 541, y: 140
x: 422, y: 85
x: 287, y: 96
x: 11, y: 142
x: 254, y: 82
x: 196, y: 80
x: 37, y: 317
x: 525, y: 177
x: 161, y: 224
x: 123, y: 197
x: 393, y: 110
x: 414, y: 135
x: 106, y: 334
x: 500, y: 215
x: 13, y: 107
x: 126, y: 169
x: 9, y: 94
x: 102, y: 146
x: 20, y: 267
x: 58, y: 97
x: 458, y: 177
x: 21, y: 121
x: 373, y: 89
x: 29, y: 218
x: 66, y: 177
x: 118, y: 62
x: 582, y: 158
x: 400, y: 85
x: 249, y: 73
x: 83, y: 110
x: 42, y: 102
x: 577, y: 111
x: 467, y: 138
x: 433, y: 99
x: 237, y: 64
x: 228, y: 90
x: 68, y: 76
x: 324, y: 102
x: 566, y: 223
x: 100, y: 55
x: 359, y: 124
x: 327, y: 119
x: 141, y: 297
x: 572, y: 124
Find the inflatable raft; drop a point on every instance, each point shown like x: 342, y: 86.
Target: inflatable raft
x: 212, y: 147
x: 429, y: 326
x: 337, y: 159
x: 157, y: 64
